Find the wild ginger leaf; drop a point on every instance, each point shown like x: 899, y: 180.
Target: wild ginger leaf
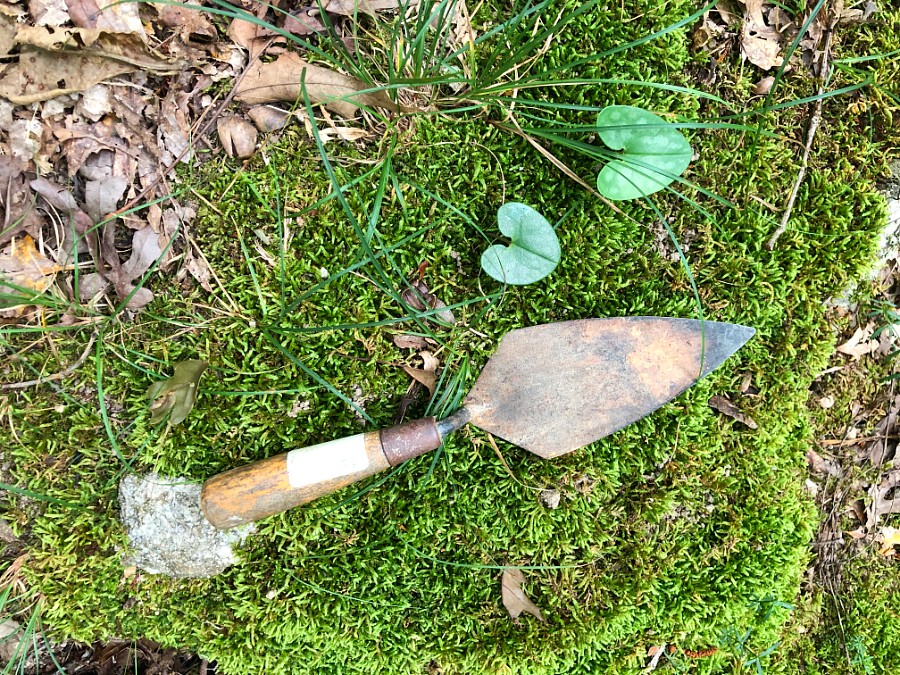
x: 651, y: 158
x: 533, y: 252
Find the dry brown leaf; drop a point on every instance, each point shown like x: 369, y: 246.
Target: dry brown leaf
x: 191, y: 24
x: 237, y: 136
x: 760, y: 42
x: 248, y: 35
x: 112, y: 15
x: 101, y: 197
x: 356, y: 7
x: 424, y: 377
x: 17, y: 202
x: 23, y: 266
x: 304, y: 21
x: 145, y: 250
x: 860, y: 343
x: 851, y: 15
x: 48, y: 12
x: 420, y: 298
x: 514, y: 598
x: 84, y: 237
x: 879, y: 503
x: 347, y: 134
x: 427, y: 374
x: 198, y: 268
x: 53, y: 62
x: 267, y: 118
x: 820, y: 465
x: 764, y: 86
x: 726, y: 407
x: 405, y: 341
x: 889, y: 537
x: 282, y: 80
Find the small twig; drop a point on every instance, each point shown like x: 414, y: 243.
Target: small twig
x: 56, y: 376
x: 854, y: 441
x: 654, y: 661
x: 810, y: 136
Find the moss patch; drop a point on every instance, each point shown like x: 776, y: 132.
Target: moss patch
x: 674, y: 530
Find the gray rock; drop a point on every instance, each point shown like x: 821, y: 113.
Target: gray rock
x: 167, y: 531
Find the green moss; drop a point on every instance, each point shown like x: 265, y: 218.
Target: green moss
x: 687, y: 517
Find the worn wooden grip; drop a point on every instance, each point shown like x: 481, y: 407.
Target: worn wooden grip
x: 279, y: 483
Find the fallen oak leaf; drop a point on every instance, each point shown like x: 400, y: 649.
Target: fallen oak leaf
x: 284, y: 79
x: 514, y: 598
x: 53, y: 62
x: 176, y: 395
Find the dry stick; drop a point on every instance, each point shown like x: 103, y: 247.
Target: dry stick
x: 810, y: 135
x: 56, y: 376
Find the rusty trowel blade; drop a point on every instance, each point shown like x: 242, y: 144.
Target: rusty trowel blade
x: 554, y: 388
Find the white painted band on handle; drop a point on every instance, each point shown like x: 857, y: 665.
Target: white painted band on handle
x: 327, y: 461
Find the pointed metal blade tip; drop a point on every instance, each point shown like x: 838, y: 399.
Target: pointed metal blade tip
x: 554, y: 388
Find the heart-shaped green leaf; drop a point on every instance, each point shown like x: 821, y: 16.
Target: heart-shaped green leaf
x: 177, y: 394
x: 533, y: 251
x: 651, y: 159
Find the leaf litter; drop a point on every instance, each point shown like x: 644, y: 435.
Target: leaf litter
x: 762, y: 31
x: 104, y: 99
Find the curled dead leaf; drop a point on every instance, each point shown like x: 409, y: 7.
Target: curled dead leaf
x: 268, y: 118
x: 514, y: 598
x: 889, y: 537
x: 726, y: 407
x: 764, y: 86
x: 424, y: 377
x: 237, y: 136
x: 420, y: 298
x: 24, y: 269
x: 405, y: 341
x: 860, y: 343
x: 427, y: 374
x: 284, y: 79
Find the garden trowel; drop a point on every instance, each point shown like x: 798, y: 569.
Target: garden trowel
x: 549, y: 389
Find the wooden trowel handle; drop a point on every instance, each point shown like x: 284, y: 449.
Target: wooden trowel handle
x: 279, y: 483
